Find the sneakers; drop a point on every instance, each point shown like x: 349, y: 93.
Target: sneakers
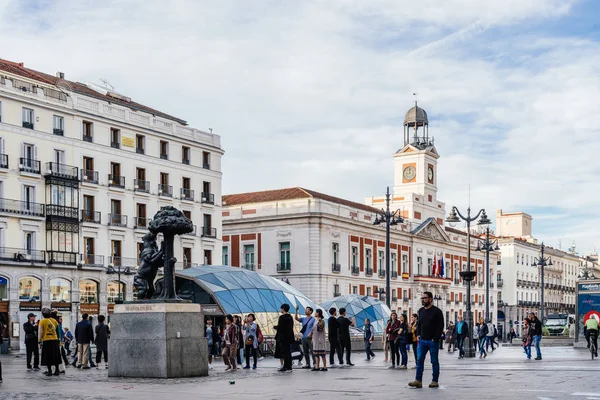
x: 434, y: 385
x: 323, y: 369
x: 314, y: 369
x: 538, y: 358
x: 105, y: 366
x: 350, y: 364
x: 416, y: 384
x: 260, y: 358
x: 367, y: 359
x: 403, y: 367
x: 254, y: 367
x: 392, y: 367
x: 227, y: 369
x: 247, y: 367
x: 306, y: 367
x: 210, y: 366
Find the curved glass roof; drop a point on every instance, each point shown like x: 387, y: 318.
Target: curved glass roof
x: 361, y: 308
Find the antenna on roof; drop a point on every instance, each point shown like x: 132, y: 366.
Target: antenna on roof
x: 415, y: 94
x: 210, y: 129
x: 107, y: 84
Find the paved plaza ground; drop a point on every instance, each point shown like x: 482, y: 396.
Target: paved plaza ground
x: 564, y: 373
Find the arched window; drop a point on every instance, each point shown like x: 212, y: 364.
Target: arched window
x: 60, y: 290
x: 88, y: 291
x: 3, y: 288
x: 113, y: 291
x: 29, y: 288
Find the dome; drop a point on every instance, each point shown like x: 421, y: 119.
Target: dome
x: 361, y: 308
x: 240, y: 291
x: 416, y: 116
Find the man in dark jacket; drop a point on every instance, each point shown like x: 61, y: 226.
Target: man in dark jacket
x: 430, y: 326
x: 31, y: 342
x: 334, y: 341
x: 285, y: 336
x: 84, y: 335
x: 535, y: 331
x: 344, y: 334
x: 102, y: 336
x: 460, y: 334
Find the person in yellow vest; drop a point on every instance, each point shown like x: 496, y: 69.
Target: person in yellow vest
x: 49, y: 342
x: 591, y: 329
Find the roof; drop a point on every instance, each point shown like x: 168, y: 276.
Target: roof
x: 416, y: 116
x: 77, y: 87
x: 267, y: 196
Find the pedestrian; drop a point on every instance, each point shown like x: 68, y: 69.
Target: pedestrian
x: 319, y: 345
x: 392, y: 330
x: 84, y: 335
x: 490, y: 336
x: 511, y: 334
x: 219, y: 346
x: 369, y: 335
x: 403, y: 333
x: 240, y: 332
x: 307, y: 325
x: 250, y: 340
x: 535, y: 330
x: 429, y: 330
x: 212, y: 337
x: 231, y: 343
x: 461, y: 332
x: 413, y: 330
x: 31, y: 342
x: 334, y: 341
x: 483, y: 337
x: 526, y: 341
x: 48, y: 339
x: 68, y: 337
x: 60, y: 333
x: 285, y: 337
x: 386, y: 344
x: 102, y: 336
x: 1, y: 336
x: 344, y: 334
x: 449, y: 338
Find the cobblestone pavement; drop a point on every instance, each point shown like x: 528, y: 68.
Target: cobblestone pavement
x: 564, y: 373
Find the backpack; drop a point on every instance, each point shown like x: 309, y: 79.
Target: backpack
x: 259, y: 334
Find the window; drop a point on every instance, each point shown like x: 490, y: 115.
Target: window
x: 29, y: 163
x: 187, y: 257
x: 29, y: 197
x: 59, y: 157
x: 140, y: 220
x: 249, y: 256
x: 164, y: 178
x: 354, y: 256
x: 207, y: 257
x: 115, y: 138
x: 0, y: 111
x: 205, y: 160
x: 419, y: 265
x: 164, y: 150
x: 185, y: 155
x: 115, y: 292
x: 3, y: 288
x: 89, y: 249
x: 89, y: 207
x: 368, y: 290
x: 335, y: 253
x: 88, y: 131
x: 185, y: 183
x: 405, y: 264
x: 115, y: 250
x: 88, y: 174
x: 140, y: 144
x: 207, y: 196
x: 393, y: 262
x: 368, y: 258
x: 518, y: 256
x: 186, y: 192
x: 429, y: 266
x: 58, y: 125
x: 187, y: 214
x: 381, y: 258
x: 115, y: 175
x: 60, y: 290
x: 140, y: 248
x: 354, y: 289
x: 225, y: 255
x: 336, y: 290
x: 29, y: 288
x: 27, y: 118
x: 29, y: 242
x: 115, y: 213
x: 284, y: 255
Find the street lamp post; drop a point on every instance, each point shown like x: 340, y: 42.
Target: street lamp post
x: 487, y: 246
x: 542, y: 262
x: 437, y: 299
x: 388, y: 218
x: 127, y: 271
x: 468, y: 275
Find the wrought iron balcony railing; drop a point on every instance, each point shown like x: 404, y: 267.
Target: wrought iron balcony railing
x: 62, y: 170
x: 22, y: 255
x: 92, y: 216
x: 284, y: 267
x: 355, y: 270
x: 89, y: 176
x: 187, y: 194
x: 116, y: 181
x: 209, y: 232
x: 165, y: 190
x: 141, y: 222
x: 62, y: 211
x: 29, y: 165
x: 336, y: 268
x: 91, y: 260
x: 117, y: 220
x: 141, y: 186
x: 208, y: 198
x: 22, y: 207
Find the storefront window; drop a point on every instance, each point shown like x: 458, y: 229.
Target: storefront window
x: 29, y: 288
x: 113, y: 292
x: 88, y: 292
x: 3, y: 288
x: 60, y: 290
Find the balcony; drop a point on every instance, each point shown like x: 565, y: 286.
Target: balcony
x: 500, y: 283
x: 141, y: 186
x: 141, y: 223
x: 118, y: 261
x: 164, y: 156
x: 369, y: 272
x: 89, y: 176
x: 432, y: 279
x: 405, y: 299
x: 457, y: 281
x: 394, y: 299
x: 116, y: 181
x: 117, y: 220
x: 22, y: 207
x: 22, y: 255
x: 29, y: 165
x: 208, y: 198
x: 394, y: 274
x: 284, y: 267
x: 59, y: 132
x: 88, y: 138
x: 249, y: 267
x: 192, y: 233
x: 61, y: 257
x: 4, y: 161
x: 448, y: 301
x: 91, y: 216
x: 480, y: 284
x: 186, y: 194
x: 91, y: 260
x: 140, y: 150
x: 115, y: 145
x: 62, y: 171
x: 62, y: 211
x: 355, y: 270
x: 165, y: 190
x: 381, y: 273
x: 206, y: 165
x: 337, y: 268
x: 456, y: 302
x: 209, y: 232
x: 491, y: 285
x: 336, y: 294
x: 185, y: 161
x: 28, y: 125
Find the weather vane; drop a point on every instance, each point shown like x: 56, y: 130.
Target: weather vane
x: 107, y: 84
x: 415, y: 94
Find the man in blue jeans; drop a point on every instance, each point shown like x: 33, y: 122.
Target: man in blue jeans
x: 429, y: 330
x: 535, y: 330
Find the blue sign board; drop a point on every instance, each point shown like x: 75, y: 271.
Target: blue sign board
x: 588, y: 302
x: 3, y: 281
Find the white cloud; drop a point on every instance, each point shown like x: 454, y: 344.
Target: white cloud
x: 314, y: 93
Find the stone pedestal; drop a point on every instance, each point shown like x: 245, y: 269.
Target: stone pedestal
x: 157, y: 340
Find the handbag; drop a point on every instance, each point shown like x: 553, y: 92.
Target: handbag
x: 250, y: 340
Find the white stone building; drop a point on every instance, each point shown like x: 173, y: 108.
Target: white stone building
x: 82, y: 171
x: 326, y: 246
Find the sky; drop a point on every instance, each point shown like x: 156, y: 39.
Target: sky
x: 314, y: 93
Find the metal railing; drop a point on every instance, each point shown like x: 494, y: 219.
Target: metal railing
x: 208, y: 198
x: 394, y: 299
x: 336, y: 268
x: 369, y: 272
x: 394, y: 274
x: 141, y: 186
x: 355, y: 270
x: 165, y: 190
x: 140, y: 150
x: 117, y: 220
x: 3, y: 160
x: 62, y: 211
x: 58, y: 132
x: 62, y: 170
x: 187, y: 194
x: 89, y: 176
x: 336, y: 294
x: 192, y: 233
x: 22, y: 255
x: 61, y: 257
x: 22, y: 207
x: 115, y: 145
x: 284, y: 267
x: 249, y: 267
x: 500, y: 283
x: 405, y: 299
x: 381, y: 273
x: 164, y: 156
x: 28, y: 125
x: 206, y: 165
x: 118, y: 261
x: 116, y: 181
x: 91, y: 260
x: 29, y: 165
x: 92, y: 216
x: 185, y: 161
x: 209, y: 232
x: 141, y: 223
x: 88, y: 138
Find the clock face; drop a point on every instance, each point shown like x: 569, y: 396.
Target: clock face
x: 410, y: 173
x: 430, y: 174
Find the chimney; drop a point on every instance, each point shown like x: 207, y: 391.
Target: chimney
x: 60, y: 75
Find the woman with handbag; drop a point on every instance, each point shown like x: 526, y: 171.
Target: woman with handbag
x: 483, y: 331
x: 402, y: 341
x: 386, y: 342
x: 413, y: 330
x: 392, y: 331
x: 48, y: 339
x: 526, y: 338
x: 250, y: 340
x: 230, y: 337
x: 319, y: 342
